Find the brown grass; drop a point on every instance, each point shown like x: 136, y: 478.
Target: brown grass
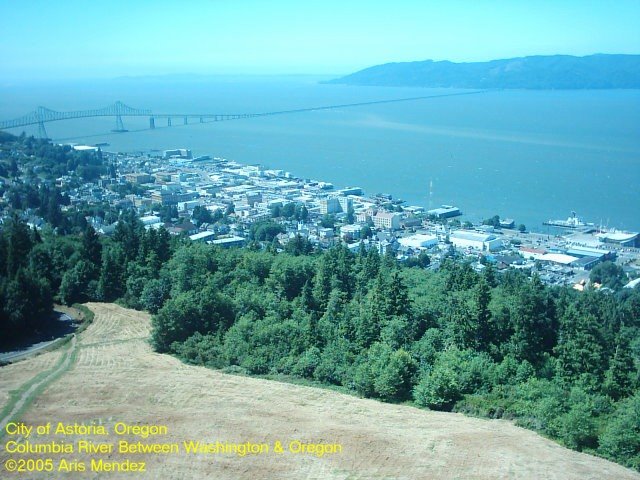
x: 14, y: 375
x: 117, y: 377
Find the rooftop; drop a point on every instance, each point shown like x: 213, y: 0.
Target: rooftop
x: 473, y: 236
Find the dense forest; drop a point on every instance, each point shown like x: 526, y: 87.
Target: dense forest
x: 557, y: 361
x: 560, y: 362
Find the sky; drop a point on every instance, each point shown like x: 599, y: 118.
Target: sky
x: 64, y: 39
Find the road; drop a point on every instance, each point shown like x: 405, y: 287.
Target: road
x: 15, y: 355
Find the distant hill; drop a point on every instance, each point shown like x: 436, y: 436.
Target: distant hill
x: 600, y: 71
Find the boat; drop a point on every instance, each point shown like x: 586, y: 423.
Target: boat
x: 572, y: 222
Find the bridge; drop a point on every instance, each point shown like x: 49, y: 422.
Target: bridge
x: 42, y: 115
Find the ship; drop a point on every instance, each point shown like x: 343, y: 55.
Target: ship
x: 572, y: 222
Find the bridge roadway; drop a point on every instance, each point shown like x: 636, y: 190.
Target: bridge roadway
x: 42, y: 115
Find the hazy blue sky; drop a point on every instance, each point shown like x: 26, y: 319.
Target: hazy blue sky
x: 62, y: 39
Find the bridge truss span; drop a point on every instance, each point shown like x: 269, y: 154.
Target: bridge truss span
x: 41, y: 115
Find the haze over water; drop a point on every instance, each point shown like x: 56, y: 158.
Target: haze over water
x: 527, y: 155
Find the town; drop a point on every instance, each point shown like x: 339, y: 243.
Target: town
x: 216, y: 201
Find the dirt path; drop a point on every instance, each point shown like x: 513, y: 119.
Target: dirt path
x: 116, y: 377
x: 31, y: 391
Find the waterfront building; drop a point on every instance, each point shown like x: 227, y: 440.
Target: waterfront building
x: 475, y: 241
x: 183, y: 153
x: 507, y: 223
x: 413, y: 209
x: 581, y: 251
x: 446, y: 211
x: 586, y: 263
x: 559, y: 258
x: 625, y: 239
x: 357, y: 191
x: 410, y: 221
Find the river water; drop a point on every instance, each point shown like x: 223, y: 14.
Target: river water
x: 527, y: 155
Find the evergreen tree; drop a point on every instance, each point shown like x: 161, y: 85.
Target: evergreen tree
x: 53, y: 214
x: 127, y: 233
x: 298, y: 245
x: 322, y: 283
x: 304, y: 214
x: 18, y: 245
x: 621, y: 376
x: 458, y: 321
x: 27, y: 300
x: 482, y: 314
x: 308, y: 302
x: 389, y: 296
x: 91, y: 247
x: 111, y: 283
x: 371, y: 266
x: 530, y: 323
x: 163, y: 245
x: 579, y: 350
x: 74, y: 286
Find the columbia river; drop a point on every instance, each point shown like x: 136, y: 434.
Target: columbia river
x: 527, y: 155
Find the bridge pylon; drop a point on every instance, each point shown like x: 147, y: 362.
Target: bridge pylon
x: 40, y: 114
x: 119, y: 108
x: 42, y: 132
x: 119, y: 124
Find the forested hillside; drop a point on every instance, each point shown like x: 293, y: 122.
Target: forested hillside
x: 560, y: 362
x: 600, y: 71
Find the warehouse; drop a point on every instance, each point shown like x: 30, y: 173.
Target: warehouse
x: 419, y: 240
x: 559, y: 258
x: 446, y: 211
x: 475, y: 241
x: 625, y: 239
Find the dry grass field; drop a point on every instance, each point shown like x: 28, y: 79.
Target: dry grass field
x: 13, y: 376
x: 114, y: 376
